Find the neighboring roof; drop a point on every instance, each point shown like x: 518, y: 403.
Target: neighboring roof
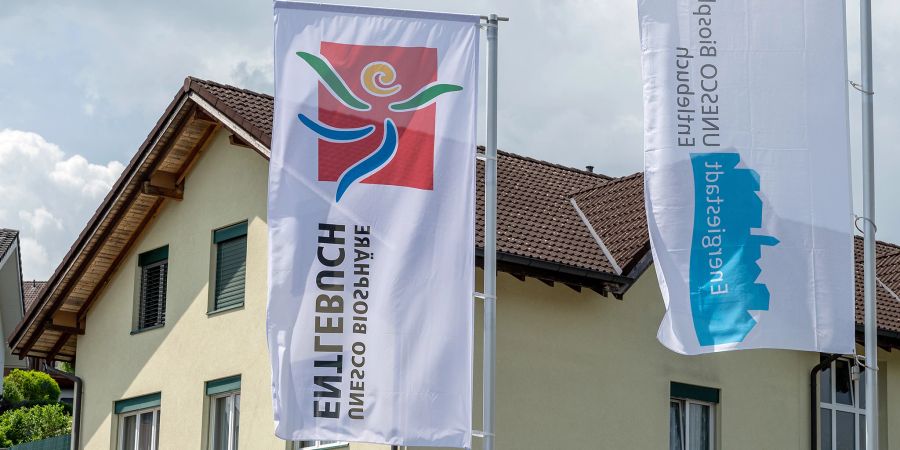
x: 31, y: 291
x: 7, y: 239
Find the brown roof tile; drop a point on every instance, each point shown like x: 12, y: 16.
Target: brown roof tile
x: 616, y: 211
x: 7, y: 238
x: 535, y: 218
x: 887, y: 268
x: 31, y: 291
x: 251, y: 110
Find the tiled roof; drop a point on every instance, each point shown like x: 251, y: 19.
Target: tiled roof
x: 251, y: 110
x: 539, y: 230
x: 31, y: 291
x: 7, y: 238
x: 616, y: 211
x: 535, y: 218
x: 887, y: 268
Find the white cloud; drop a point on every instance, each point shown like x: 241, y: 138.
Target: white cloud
x: 40, y: 219
x: 91, y: 179
x: 35, y: 255
x: 48, y: 196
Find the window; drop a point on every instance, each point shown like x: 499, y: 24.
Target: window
x: 138, y: 423
x: 842, y: 404
x: 224, y: 412
x: 318, y: 445
x: 230, y: 266
x: 692, y: 417
x: 154, y: 272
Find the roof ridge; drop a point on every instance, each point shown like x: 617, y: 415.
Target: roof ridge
x: 884, y: 243
x: 610, y: 182
x: 481, y: 147
x: 550, y: 164
x: 228, y: 86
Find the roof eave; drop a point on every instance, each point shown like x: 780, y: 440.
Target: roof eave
x: 15, y: 338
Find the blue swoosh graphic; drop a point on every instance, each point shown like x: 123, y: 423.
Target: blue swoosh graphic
x: 336, y: 134
x: 385, y: 152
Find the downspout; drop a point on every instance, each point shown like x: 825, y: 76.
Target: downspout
x: 813, y: 400
x: 76, y: 404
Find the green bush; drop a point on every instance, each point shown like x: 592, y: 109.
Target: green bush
x: 22, y: 425
x: 29, y: 387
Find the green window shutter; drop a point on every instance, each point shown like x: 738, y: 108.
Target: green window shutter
x: 157, y: 255
x: 230, y: 232
x: 229, y: 384
x: 138, y: 403
x: 692, y: 392
x: 231, y: 266
x: 154, y: 277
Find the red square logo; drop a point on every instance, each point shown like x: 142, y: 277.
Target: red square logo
x: 376, y: 115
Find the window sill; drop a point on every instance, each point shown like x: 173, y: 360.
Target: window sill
x: 154, y: 327
x: 216, y: 312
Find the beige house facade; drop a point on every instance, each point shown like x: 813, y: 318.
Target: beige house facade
x: 172, y: 350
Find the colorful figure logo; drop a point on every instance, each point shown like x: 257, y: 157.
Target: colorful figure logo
x: 381, y: 129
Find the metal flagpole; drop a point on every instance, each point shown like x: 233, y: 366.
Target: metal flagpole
x: 490, y: 238
x: 868, y: 148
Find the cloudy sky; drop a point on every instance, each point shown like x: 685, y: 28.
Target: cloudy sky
x: 84, y: 82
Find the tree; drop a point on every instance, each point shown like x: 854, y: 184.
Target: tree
x: 29, y: 387
x: 66, y: 367
x: 18, y: 426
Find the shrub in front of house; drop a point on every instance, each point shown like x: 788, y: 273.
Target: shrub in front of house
x: 18, y: 426
x: 29, y: 387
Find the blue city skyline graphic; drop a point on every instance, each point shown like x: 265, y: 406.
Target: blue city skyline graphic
x: 724, y: 267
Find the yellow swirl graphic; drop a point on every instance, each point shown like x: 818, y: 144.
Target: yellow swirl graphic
x: 377, y: 78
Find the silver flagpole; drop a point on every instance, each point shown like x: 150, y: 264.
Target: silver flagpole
x: 490, y: 238
x: 868, y: 148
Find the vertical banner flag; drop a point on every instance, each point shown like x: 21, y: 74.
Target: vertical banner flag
x: 371, y: 224
x: 747, y: 173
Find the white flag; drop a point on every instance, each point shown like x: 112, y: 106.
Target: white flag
x: 747, y: 169
x: 371, y: 219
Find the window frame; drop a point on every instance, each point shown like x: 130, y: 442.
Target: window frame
x: 856, y: 395
x: 685, y: 420
x: 233, y: 231
x: 121, y: 417
x: 148, y: 260
x: 690, y: 394
x: 232, y: 444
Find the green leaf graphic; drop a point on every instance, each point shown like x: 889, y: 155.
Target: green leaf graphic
x: 334, y: 82
x: 424, y: 97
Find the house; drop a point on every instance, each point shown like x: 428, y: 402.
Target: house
x: 15, y: 297
x: 31, y: 291
x: 11, y: 297
x: 161, y: 305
